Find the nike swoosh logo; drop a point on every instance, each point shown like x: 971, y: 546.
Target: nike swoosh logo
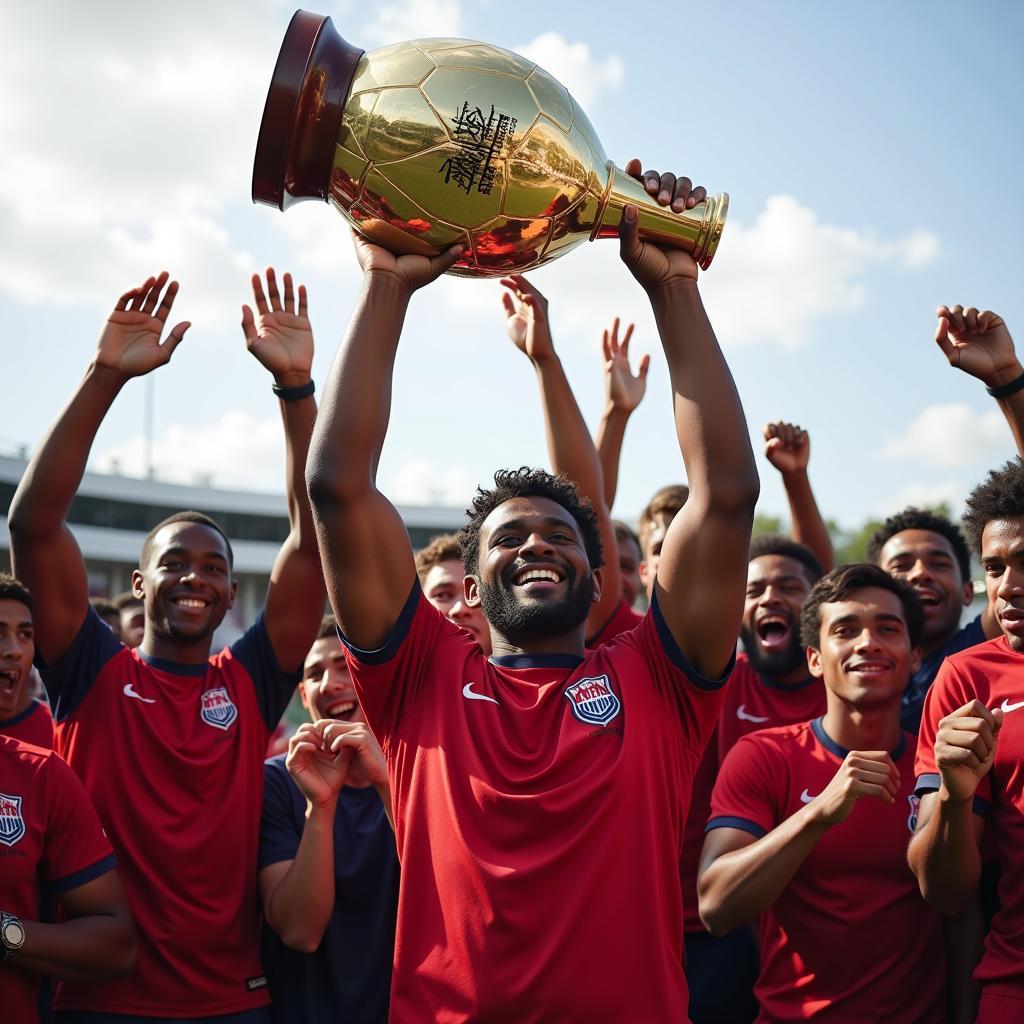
x: 1006, y: 707
x: 469, y: 694
x: 805, y: 797
x: 129, y: 691
x: 744, y: 716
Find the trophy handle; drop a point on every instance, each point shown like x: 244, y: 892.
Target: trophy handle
x: 304, y: 105
x: 698, y: 231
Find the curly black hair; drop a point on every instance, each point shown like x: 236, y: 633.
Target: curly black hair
x: 529, y: 483
x: 999, y: 496
x: 912, y: 518
x: 776, y: 544
x: 199, y: 518
x: 840, y: 583
x: 12, y: 589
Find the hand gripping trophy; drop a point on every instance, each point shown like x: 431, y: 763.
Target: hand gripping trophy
x: 433, y: 142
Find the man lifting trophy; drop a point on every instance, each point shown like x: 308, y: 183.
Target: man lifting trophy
x: 437, y: 142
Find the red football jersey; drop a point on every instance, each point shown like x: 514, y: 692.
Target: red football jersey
x: 34, y: 726
x: 751, y: 702
x: 623, y: 620
x: 50, y: 841
x: 993, y: 673
x: 850, y: 938
x: 172, y: 756
x: 539, y: 805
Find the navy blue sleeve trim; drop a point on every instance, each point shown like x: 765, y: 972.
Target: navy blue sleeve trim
x: 69, y: 681
x: 398, y: 634
x: 274, y: 686
x: 676, y: 656
x: 744, y: 824
x: 10, y: 723
x: 930, y: 784
x: 84, y: 875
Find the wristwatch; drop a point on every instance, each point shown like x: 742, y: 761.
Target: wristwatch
x: 12, y: 935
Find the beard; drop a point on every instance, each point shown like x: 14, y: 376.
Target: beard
x: 777, y: 663
x: 523, y: 622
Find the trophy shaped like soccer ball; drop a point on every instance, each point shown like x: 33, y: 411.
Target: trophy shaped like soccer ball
x: 434, y: 142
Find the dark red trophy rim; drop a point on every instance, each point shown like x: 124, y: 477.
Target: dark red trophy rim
x: 312, y: 77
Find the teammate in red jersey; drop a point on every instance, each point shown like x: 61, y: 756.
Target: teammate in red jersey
x: 52, y: 844
x: 539, y: 794
x: 809, y: 826
x: 168, y: 740
x: 22, y: 716
x: 971, y: 750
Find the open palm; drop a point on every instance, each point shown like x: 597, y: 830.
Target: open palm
x: 623, y: 390
x: 130, y: 341
x: 280, y: 335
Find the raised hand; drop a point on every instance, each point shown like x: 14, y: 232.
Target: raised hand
x: 965, y: 746
x: 652, y: 265
x: 280, y: 336
x: 978, y: 344
x: 354, y: 741
x: 787, y: 447
x: 526, y: 317
x: 410, y: 271
x: 130, y: 342
x: 623, y: 390
x: 862, y: 773
x: 317, y: 771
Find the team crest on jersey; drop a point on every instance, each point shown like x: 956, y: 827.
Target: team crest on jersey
x: 218, y: 709
x: 12, y: 824
x: 915, y: 806
x: 593, y: 700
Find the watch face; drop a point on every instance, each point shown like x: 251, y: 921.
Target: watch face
x: 14, y: 935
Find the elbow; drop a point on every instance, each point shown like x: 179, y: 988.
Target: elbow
x: 302, y: 940
x: 714, y: 918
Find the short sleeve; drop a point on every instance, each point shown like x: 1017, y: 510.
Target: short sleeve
x: 948, y: 692
x: 274, y: 686
x: 744, y: 796
x: 68, y: 682
x: 389, y: 680
x: 279, y: 832
x: 76, y: 848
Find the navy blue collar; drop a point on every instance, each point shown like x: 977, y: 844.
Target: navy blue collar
x: 833, y: 748
x: 10, y: 722
x: 536, y: 660
x: 176, y: 668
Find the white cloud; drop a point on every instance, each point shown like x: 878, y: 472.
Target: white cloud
x: 422, y: 482
x: 412, y: 19
x: 239, y: 450
x: 951, y: 435
x: 930, y: 495
x: 582, y: 72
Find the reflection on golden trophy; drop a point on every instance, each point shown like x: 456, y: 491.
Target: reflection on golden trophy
x: 434, y: 142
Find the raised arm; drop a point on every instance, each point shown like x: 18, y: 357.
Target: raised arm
x: 44, y: 552
x: 787, y: 447
x: 702, y: 570
x: 364, y: 547
x: 570, y: 447
x: 280, y: 336
x: 623, y: 391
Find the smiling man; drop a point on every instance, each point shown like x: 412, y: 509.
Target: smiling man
x: 22, y: 717
x: 168, y: 740
x: 809, y: 826
x: 539, y: 793
x: 971, y: 750
x: 440, y: 571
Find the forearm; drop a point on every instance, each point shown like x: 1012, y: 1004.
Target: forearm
x: 611, y: 432
x: 944, y: 855
x: 1013, y: 410
x: 98, y: 946
x: 301, y: 905
x: 56, y: 469
x: 743, y: 883
x: 710, y: 425
x: 299, y: 419
x: 356, y: 406
x: 808, y: 526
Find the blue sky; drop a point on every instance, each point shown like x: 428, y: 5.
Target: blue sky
x: 871, y: 153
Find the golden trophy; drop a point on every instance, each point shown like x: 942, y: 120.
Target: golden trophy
x: 433, y: 142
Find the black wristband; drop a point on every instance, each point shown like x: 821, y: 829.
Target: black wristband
x: 294, y: 394
x: 1005, y: 390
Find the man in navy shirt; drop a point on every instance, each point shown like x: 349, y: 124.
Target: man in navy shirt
x: 328, y: 870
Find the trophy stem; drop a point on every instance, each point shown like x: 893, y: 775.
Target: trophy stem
x: 698, y: 231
